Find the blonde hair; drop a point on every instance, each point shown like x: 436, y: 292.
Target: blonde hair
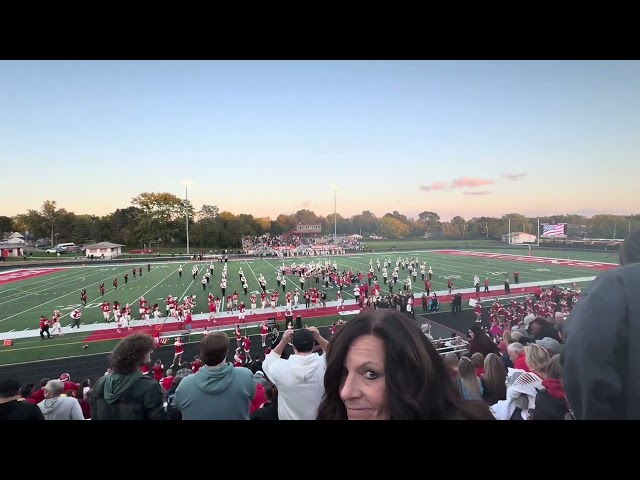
x: 468, y: 377
x: 451, y: 361
x: 537, y: 358
x: 495, y: 376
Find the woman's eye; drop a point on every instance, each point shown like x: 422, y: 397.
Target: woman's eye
x: 369, y: 375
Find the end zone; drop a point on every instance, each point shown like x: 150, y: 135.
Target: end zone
x: 601, y: 266
x: 24, y: 274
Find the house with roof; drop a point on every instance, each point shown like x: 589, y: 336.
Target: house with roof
x: 103, y: 250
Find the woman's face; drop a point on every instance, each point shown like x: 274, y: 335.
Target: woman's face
x: 363, y: 388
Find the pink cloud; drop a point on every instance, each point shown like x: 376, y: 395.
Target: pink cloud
x: 468, y: 182
x: 478, y: 193
x: 434, y: 186
x: 514, y: 176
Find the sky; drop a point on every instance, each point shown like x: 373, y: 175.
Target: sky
x: 466, y: 138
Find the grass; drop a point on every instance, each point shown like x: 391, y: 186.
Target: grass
x: 70, y: 345
x: 22, y: 302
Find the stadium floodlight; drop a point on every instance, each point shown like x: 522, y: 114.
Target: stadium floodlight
x: 186, y: 184
x: 335, y: 211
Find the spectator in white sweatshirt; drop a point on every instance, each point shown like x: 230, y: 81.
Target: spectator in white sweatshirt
x: 300, y: 378
x: 55, y: 407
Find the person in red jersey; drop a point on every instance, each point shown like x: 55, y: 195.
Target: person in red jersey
x: 242, y: 312
x: 106, y: 311
x: 246, y: 346
x: 238, y: 360
x: 188, y: 322
x: 238, y: 333
x: 478, y: 310
x: 212, y: 310
x: 196, y: 364
x: 179, y: 350
x: 65, y: 378
x: 263, y: 300
x: 158, y: 370
x: 167, y: 381
x: 264, y: 331
x: 44, y: 327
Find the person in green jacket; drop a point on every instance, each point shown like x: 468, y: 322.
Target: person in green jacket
x: 127, y: 394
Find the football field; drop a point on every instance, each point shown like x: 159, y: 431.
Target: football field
x: 27, y: 294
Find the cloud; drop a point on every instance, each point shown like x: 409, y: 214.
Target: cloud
x: 514, y: 176
x: 468, y: 182
x: 306, y: 204
x: 434, y: 186
x: 478, y: 193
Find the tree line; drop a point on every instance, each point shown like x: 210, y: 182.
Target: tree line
x: 159, y: 219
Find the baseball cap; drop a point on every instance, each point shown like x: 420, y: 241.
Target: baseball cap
x: 303, y: 340
x: 9, y: 387
x: 551, y: 344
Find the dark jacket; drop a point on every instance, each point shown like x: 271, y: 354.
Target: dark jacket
x: 20, y: 410
x: 268, y: 412
x: 550, y: 401
x: 127, y: 397
x: 601, y: 354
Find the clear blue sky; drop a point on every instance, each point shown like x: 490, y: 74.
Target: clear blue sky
x: 268, y: 137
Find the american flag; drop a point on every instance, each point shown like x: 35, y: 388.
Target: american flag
x: 163, y: 341
x: 553, y: 230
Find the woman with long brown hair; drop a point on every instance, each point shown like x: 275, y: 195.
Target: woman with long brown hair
x: 381, y: 367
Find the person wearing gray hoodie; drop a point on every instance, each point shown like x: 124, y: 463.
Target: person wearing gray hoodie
x: 127, y: 394
x: 219, y: 391
x: 55, y: 407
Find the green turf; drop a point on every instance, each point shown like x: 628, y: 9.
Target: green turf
x: 22, y: 303
x: 70, y: 345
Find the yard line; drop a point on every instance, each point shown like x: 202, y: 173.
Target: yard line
x: 35, y: 284
x: 50, y: 301
x: 182, y: 296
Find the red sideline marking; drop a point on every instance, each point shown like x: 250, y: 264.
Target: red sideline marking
x: 25, y: 274
x: 498, y: 292
x: 538, y: 260
x: 102, y: 335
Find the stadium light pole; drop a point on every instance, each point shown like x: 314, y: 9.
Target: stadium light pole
x: 335, y: 211
x: 186, y: 184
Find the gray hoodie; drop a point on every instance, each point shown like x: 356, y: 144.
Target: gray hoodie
x: 61, y: 408
x: 222, y: 393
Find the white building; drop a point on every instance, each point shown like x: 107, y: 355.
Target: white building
x: 519, y: 237
x: 103, y: 250
x: 15, y: 238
